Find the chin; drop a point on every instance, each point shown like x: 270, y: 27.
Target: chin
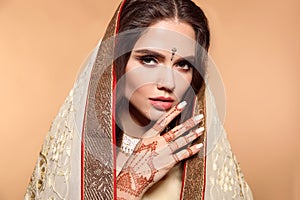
x: 155, y: 114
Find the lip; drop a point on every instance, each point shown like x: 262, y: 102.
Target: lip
x: 161, y: 102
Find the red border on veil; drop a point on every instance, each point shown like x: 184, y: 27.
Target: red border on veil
x: 82, y: 149
x: 114, y: 108
x: 113, y: 127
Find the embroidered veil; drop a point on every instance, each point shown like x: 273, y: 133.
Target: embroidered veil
x: 77, y: 160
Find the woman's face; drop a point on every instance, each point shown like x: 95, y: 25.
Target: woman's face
x: 159, y: 70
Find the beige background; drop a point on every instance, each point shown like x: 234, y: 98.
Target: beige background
x: 256, y: 45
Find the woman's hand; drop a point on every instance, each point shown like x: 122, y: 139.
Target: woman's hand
x: 155, y: 155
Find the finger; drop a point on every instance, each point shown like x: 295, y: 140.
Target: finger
x: 188, y: 152
x: 187, y: 139
x: 182, y: 128
x: 164, y: 120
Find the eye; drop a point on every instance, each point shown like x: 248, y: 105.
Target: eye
x: 148, y: 60
x: 184, y: 65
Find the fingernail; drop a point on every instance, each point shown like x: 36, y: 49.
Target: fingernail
x: 198, y: 117
x: 199, y: 130
x: 198, y: 146
x: 181, y: 105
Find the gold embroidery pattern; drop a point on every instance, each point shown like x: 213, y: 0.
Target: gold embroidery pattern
x: 52, y: 168
x: 194, y: 181
x: 225, y: 179
x: 98, y: 122
x: 101, y: 178
x: 51, y: 176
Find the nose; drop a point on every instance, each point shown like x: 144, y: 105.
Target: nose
x: 166, y: 79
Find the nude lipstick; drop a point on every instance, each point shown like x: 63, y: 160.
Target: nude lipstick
x: 161, y: 102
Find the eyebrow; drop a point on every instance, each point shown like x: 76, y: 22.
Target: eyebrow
x: 150, y: 52
x: 190, y: 59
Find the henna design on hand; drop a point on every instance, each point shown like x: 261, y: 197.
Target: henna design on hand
x: 161, y: 123
x: 132, y: 182
x: 169, y: 136
x: 180, y: 129
x: 143, y: 147
x: 173, y: 146
x: 156, y: 154
x: 190, y: 152
x: 189, y: 124
x: 175, y: 158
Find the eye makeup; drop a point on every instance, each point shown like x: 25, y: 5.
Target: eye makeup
x: 152, y: 58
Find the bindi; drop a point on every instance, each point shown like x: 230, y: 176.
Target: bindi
x: 173, y: 53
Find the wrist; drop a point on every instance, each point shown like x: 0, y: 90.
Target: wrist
x: 123, y: 195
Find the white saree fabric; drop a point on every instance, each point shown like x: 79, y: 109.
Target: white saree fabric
x: 57, y: 175
x: 224, y: 179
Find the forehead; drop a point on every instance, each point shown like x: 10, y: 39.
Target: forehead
x: 167, y: 35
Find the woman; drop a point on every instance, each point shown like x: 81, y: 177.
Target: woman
x: 125, y: 131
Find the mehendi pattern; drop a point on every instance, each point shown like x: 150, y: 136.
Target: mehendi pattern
x: 161, y: 123
x: 132, y: 182
x: 169, y: 136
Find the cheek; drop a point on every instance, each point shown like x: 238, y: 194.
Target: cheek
x: 182, y: 82
x: 137, y: 83
x: 139, y: 79
x: 131, y: 78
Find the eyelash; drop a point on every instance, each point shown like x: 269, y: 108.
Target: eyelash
x: 183, y: 65
x: 147, y: 59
